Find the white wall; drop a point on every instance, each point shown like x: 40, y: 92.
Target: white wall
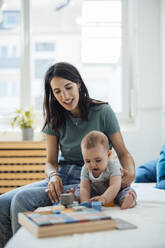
x: 145, y: 139
x: 163, y: 65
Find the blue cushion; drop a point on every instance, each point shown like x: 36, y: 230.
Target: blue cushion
x: 160, y: 185
x: 146, y: 173
x: 160, y: 170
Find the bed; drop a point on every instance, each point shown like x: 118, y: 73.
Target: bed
x: 148, y: 216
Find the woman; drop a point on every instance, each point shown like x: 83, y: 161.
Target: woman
x: 69, y: 114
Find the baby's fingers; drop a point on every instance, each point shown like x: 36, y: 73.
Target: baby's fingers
x: 94, y: 199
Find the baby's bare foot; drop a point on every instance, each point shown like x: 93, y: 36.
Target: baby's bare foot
x: 129, y: 200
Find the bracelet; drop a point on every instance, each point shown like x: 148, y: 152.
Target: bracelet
x: 53, y: 173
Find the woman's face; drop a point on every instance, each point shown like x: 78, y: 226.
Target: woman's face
x: 67, y: 94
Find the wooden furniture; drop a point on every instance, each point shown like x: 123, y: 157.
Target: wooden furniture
x: 21, y: 163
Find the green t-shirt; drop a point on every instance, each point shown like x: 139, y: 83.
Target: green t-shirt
x: 100, y: 118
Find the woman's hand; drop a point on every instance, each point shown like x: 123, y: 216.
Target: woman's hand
x: 127, y: 177
x: 55, y: 188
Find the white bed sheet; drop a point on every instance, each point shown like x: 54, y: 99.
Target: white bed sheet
x: 148, y: 215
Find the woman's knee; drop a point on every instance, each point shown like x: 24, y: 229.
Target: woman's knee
x: 5, y: 221
x: 19, y: 200
x: 29, y: 199
x: 25, y: 200
x: 5, y: 202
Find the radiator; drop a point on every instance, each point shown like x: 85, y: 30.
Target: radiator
x: 21, y: 163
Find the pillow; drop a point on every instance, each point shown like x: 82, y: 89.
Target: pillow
x: 146, y: 173
x: 160, y: 185
x: 160, y: 170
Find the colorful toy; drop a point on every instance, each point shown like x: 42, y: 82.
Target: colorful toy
x: 96, y: 205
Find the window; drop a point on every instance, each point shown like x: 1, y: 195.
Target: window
x: 101, y: 47
x: 43, y: 55
x: 3, y: 89
x: 44, y: 47
x: 91, y: 34
x: 11, y: 19
x: 10, y: 58
x: 101, y: 32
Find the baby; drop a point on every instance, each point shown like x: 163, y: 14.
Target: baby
x: 100, y: 176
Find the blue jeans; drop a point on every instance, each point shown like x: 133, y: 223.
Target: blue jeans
x: 30, y: 197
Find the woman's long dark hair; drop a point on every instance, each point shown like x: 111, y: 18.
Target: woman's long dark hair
x: 52, y: 110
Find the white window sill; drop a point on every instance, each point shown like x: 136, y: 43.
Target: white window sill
x: 9, y: 134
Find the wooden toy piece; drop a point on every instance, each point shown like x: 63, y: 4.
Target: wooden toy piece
x: 79, y: 208
x: 74, y: 204
x: 97, y: 205
x: 56, y: 203
x: 110, y: 204
x: 86, y: 204
x: 66, y: 199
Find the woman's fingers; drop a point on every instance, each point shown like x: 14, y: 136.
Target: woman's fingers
x: 125, y: 181
x: 124, y: 172
x: 54, y: 188
x: 54, y: 192
x: 127, y: 177
x: 59, y: 187
x: 52, y: 195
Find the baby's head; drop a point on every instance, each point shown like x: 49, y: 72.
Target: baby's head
x: 95, y: 151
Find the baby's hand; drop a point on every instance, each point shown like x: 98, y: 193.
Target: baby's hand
x: 99, y: 198
x: 71, y: 190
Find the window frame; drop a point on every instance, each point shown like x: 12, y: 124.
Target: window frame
x: 128, y: 60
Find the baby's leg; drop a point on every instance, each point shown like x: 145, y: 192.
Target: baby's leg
x: 129, y: 201
x: 126, y: 198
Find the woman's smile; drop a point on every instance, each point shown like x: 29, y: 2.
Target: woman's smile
x: 68, y: 102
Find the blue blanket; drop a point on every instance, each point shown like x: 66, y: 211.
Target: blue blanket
x: 153, y: 171
x: 160, y: 170
x: 146, y: 173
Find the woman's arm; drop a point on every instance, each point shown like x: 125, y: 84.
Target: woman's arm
x: 52, y: 154
x: 111, y: 192
x: 84, y: 190
x: 51, y: 169
x: 125, y: 158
